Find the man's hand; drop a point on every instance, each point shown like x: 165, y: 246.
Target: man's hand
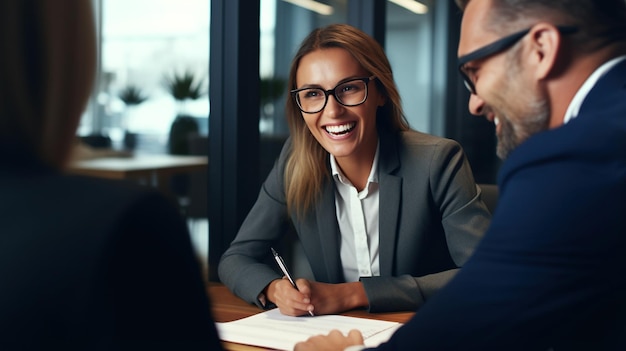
x: 333, y: 341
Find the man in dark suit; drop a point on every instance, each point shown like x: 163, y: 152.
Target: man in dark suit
x: 85, y: 264
x: 549, y: 272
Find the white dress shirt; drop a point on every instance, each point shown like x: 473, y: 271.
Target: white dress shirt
x: 358, y: 215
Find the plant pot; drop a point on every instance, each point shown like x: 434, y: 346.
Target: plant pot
x: 182, y: 127
x: 130, y: 140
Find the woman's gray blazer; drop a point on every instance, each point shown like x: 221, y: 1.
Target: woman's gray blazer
x: 431, y: 218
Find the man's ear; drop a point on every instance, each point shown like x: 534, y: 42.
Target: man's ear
x: 545, y: 44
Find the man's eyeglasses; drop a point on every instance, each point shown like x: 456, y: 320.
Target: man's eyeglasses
x: 497, y: 47
x: 349, y: 93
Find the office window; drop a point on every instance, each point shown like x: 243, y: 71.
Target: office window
x: 142, y: 42
x: 284, y: 24
x: 409, y: 46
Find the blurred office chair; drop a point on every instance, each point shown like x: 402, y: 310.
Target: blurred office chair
x: 489, y: 195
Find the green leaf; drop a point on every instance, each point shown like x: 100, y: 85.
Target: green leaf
x: 132, y: 95
x: 184, y: 85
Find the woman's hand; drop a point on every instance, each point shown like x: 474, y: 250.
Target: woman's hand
x: 289, y: 300
x: 319, y: 298
x: 337, y: 298
x: 333, y: 341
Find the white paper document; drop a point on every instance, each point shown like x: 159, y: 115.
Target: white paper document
x: 274, y: 330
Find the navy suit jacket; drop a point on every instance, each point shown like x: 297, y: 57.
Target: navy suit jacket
x: 92, y: 264
x: 550, y: 270
x: 431, y: 218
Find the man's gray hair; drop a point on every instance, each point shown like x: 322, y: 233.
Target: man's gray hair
x: 604, y: 19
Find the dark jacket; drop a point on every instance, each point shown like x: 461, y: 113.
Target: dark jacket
x: 549, y: 272
x: 92, y: 264
x: 431, y: 218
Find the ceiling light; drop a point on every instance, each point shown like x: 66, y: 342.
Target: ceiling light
x: 413, y: 6
x: 312, y: 5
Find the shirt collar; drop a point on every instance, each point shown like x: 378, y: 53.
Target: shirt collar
x: 577, y: 101
x: 372, y: 178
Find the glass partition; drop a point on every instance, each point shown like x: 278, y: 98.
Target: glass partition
x: 409, y: 46
x: 284, y: 24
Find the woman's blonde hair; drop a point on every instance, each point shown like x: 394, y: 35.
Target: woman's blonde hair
x: 47, y: 68
x: 307, y: 165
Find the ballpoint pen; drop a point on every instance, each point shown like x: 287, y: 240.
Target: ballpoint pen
x: 283, y: 268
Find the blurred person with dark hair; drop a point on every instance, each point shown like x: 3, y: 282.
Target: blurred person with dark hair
x: 85, y: 263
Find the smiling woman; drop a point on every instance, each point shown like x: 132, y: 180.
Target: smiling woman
x: 385, y: 207
x: 83, y: 252
x: 345, y: 126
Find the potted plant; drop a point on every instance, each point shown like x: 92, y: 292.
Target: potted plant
x: 271, y: 89
x: 132, y: 96
x: 183, y: 87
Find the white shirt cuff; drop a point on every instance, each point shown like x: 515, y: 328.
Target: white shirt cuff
x: 262, y: 299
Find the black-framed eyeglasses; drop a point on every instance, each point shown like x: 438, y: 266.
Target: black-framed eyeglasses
x: 349, y: 93
x: 494, y: 48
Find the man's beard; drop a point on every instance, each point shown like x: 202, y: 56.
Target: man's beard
x: 526, y: 110
x: 531, y: 121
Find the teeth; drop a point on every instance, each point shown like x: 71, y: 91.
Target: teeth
x: 496, y: 120
x: 344, y: 128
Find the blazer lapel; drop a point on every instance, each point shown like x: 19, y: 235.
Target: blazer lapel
x: 390, y: 187
x: 329, y: 235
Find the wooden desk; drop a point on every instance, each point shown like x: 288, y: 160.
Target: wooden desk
x: 227, y: 307
x: 152, y: 170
